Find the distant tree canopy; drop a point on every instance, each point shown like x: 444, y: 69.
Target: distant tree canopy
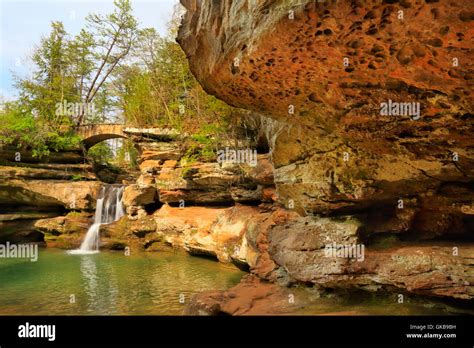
x: 70, y: 74
x: 124, y: 72
x: 76, y: 69
x: 158, y: 88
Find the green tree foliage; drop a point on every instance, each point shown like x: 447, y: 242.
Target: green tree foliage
x: 115, y: 34
x: 77, y: 69
x: 100, y: 153
x: 160, y: 90
x: 81, y: 53
x: 18, y: 126
x: 127, y: 155
x: 123, y: 71
x: 50, y: 83
x: 68, y: 71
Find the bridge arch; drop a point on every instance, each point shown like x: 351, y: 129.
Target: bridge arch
x: 95, y: 133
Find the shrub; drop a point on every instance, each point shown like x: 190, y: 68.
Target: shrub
x: 21, y: 128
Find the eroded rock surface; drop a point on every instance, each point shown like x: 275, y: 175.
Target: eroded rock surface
x: 56, y: 193
x: 420, y: 269
x: 338, y: 152
x: 80, y: 195
x: 324, y: 72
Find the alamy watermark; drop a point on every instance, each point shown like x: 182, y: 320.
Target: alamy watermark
x: 351, y: 251
x: 28, y: 330
x: 392, y: 108
x: 241, y: 156
x: 75, y: 109
x: 20, y: 251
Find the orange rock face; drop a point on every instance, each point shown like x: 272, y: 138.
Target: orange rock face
x: 327, y: 58
x: 374, y: 98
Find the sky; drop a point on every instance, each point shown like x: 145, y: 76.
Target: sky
x: 24, y: 22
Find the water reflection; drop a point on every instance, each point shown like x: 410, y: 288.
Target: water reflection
x: 89, y: 275
x: 108, y: 283
x: 99, y: 284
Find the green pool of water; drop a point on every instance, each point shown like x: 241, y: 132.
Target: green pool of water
x: 108, y: 283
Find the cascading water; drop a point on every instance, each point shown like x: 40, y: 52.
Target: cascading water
x: 108, y: 209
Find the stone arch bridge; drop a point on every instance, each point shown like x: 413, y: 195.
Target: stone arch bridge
x: 95, y: 133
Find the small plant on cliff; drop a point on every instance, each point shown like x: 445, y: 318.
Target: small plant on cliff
x: 75, y: 214
x: 187, y: 161
x: 77, y: 177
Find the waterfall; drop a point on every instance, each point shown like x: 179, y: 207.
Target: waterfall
x: 108, y: 209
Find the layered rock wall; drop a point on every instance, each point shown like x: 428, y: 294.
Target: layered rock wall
x: 33, y: 189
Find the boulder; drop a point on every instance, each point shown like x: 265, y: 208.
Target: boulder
x: 150, y: 166
x: 136, y: 195
x: 262, y: 173
x: 71, y: 223
x: 217, y: 232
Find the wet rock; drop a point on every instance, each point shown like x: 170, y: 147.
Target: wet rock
x: 250, y: 297
x: 65, y: 232
x: 71, y: 223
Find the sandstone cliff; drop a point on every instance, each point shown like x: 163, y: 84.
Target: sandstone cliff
x: 325, y: 71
